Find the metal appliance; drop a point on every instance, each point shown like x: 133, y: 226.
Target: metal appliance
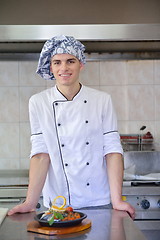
x: 13, y: 188
x: 141, y: 188
x: 100, y: 38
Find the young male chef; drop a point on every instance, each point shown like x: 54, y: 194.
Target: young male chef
x: 76, y: 150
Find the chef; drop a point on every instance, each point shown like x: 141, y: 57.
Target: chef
x: 76, y: 150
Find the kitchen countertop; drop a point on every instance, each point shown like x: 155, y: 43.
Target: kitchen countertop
x: 106, y: 225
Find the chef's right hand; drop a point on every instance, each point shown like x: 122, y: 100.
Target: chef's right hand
x: 22, y: 208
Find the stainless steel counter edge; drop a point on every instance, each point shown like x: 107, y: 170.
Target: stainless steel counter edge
x: 106, y: 225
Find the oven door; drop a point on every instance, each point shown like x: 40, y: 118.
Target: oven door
x: 150, y: 225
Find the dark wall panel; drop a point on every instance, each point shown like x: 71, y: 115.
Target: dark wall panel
x: 79, y: 11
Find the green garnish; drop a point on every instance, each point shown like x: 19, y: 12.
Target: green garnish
x: 56, y: 215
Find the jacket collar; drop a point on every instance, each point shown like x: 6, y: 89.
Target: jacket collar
x: 60, y: 97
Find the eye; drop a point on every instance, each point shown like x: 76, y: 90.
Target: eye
x: 56, y: 62
x: 71, y: 61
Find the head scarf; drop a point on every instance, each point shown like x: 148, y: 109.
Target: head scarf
x: 58, y: 45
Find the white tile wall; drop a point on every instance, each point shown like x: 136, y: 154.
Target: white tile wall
x: 9, y: 104
x: 118, y: 94
x: 28, y: 76
x: 90, y: 74
x: 8, y: 73
x: 157, y: 102
x: 133, y: 85
x: 24, y: 94
x: 113, y: 73
x: 141, y: 102
x: 140, y: 72
x: 9, y: 140
x: 157, y: 71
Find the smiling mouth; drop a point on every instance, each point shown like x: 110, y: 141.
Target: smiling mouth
x: 64, y: 75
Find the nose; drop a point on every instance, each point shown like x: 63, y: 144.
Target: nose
x: 64, y: 67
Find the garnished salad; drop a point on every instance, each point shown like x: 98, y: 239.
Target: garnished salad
x: 62, y: 213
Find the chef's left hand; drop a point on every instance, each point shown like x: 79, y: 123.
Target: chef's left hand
x: 124, y: 206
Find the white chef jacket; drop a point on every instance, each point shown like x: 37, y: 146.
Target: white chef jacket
x: 76, y: 134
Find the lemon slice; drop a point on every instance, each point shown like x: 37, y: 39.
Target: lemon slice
x: 62, y: 206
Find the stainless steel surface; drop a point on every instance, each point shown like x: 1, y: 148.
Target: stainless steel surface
x: 7, y: 173
x: 141, y: 188
x: 3, y: 213
x: 25, y: 53
x: 12, y: 195
x: 148, y: 225
x: 97, y: 37
x: 145, y: 190
x: 16, y: 197
x: 94, y: 32
x: 106, y: 225
x: 142, y: 163
x: 13, y: 187
x: 13, y: 191
x: 13, y: 177
x: 144, y: 200
x: 151, y: 228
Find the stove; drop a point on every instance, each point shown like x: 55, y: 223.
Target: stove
x: 145, y: 197
x: 141, y: 188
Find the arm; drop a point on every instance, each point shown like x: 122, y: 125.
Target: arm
x: 38, y: 171
x: 115, y: 176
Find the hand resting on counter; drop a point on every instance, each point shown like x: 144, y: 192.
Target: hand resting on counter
x: 124, y: 206
x: 22, y: 208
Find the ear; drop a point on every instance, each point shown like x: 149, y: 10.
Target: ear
x: 81, y: 66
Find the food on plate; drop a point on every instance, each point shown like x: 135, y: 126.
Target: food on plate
x: 59, y: 214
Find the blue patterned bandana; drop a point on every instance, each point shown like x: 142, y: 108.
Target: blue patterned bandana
x: 58, y: 45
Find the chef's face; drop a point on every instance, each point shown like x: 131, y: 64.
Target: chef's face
x: 66, y: 69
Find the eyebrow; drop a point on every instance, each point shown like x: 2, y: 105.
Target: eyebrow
x: 68, y: 59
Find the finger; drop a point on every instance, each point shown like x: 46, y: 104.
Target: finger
x: 20, y: 209
x: 14, y: 210
x: 131, y: 212
x: 10, y: 212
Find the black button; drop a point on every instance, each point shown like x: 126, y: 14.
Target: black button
x: 56, y: 103
x: 59, y: 124
x: 38, y: 205
x: 86, y: 121
x: 87, y: 184
x: 66, y: 164
x: 85, y: 101
x: 87, y: 163
x: 62, y: 145
x: 87, y: 143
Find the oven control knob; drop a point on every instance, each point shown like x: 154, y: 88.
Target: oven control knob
x: 145, y: 204
x: 158, y: 203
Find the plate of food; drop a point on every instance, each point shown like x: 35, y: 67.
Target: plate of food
x: 60, y: 216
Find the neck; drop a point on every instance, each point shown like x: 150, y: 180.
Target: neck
x: 68, y: 91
